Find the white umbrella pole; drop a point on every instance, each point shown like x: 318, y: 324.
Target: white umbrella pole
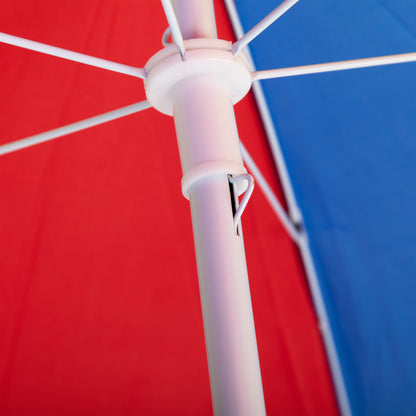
x: 207, y: 137
x: 209, y: 149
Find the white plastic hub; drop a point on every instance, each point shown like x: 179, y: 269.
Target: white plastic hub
x: 204, y: 57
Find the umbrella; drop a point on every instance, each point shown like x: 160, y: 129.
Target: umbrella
x: 100, y: 305
x: 99, y: 253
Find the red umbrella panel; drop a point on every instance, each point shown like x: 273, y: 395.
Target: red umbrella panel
x: 99, y: 301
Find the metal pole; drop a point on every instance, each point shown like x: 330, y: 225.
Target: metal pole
x: 196, y: 18
x: 206, y: 130
x: 234, y: 370
x: 208, y: 139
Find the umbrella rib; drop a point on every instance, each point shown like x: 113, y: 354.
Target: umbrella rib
x: 71, y: 55
x: 174, y: 26
x: 262, y: 25
x: 72, y: 128
x: 334, y: 66
x: 270, y: 196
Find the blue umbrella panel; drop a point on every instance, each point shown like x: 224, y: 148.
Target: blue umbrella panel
x: 349, y: 142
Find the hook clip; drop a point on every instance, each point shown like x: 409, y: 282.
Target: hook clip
x: 165, y: 37
x: 247, y: 194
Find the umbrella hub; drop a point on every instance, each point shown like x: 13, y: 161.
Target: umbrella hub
x: 167, y: 72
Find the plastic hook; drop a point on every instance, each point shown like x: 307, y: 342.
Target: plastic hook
x: 246, y: 197
x: 165, y: 37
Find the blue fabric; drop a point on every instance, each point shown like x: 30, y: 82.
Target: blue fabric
x: 349, y: 139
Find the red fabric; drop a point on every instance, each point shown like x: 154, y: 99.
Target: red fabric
x: 99, y: 304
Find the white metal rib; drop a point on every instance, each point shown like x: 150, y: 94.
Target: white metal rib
x: 270, y: 196
x: 72, y: 128
x: 263, y: 25
x: 174, y: 26
x: 72, y: 56
x: 301, y: 239
x: 334, y: 66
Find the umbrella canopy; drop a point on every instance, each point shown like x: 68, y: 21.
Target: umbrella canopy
x: 100, y: 311
x: 348, y: 139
